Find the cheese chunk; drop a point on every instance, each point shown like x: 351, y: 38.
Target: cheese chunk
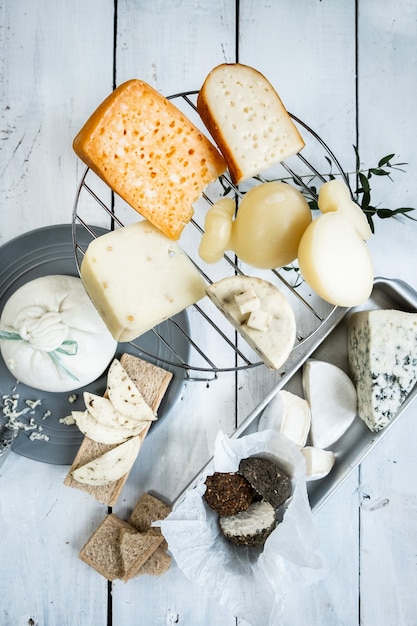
x: 382, y: 348
x: 247, y: 120
x: 137, y: 278
x: 150, y: 154
x: 289, y: 415
x: 274, y: 342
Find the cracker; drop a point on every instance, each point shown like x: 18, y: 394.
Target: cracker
x: 102, y: 550
x: 152, y: 381
x: 136, y: 548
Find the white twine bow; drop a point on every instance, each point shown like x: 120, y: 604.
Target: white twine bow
x: 43, y: 330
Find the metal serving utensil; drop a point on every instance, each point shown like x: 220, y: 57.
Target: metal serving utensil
x: 7, y: 437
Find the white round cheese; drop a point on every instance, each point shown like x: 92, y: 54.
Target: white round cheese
x: 52, y: 337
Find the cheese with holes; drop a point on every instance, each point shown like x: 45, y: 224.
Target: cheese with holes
x: 382, y: 348
x: 137, y: 278
x: 150, y: 154
x: 247, y: 120
x: 274, y: 342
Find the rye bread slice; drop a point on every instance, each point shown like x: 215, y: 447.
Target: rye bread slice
x: 152, y: 381
x: 136, y: 548
x: 102, y: 550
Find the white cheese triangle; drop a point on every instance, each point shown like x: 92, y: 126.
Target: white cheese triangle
x: 332, y: 398
x: 109, y: 466
x: 103, y: 410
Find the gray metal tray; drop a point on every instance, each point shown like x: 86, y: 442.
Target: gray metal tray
x: 331, y: 346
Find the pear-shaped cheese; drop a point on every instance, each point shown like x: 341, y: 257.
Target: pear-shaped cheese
x: 102, y: 433
x: 318, y: 462
x: 288, y: 414
x: 333, y: 401
x: 109, y: 466
x: 332, y: 255
x: 273, y: 343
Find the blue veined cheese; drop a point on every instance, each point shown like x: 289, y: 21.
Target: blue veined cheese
x: 382, y: 349
x: 137, y: 278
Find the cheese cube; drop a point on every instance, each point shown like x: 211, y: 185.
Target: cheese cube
x: 137, y: 278
x: 247, y: 301
x: 259, y: 320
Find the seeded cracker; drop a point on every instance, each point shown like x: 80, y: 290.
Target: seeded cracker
x: 152, y: 381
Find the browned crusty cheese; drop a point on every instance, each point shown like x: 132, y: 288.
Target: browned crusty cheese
x: 150, y: 154
x: 247, y: 120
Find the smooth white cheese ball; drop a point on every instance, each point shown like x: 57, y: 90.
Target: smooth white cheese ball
x: 64, y: 342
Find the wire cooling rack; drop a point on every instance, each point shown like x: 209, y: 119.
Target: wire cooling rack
x: 219, y: 348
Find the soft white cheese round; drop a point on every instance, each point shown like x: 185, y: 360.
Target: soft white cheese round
x: 52, y: 337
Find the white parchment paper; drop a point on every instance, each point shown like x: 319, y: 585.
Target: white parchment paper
x: 250, y: 582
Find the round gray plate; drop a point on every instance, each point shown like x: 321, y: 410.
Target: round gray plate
x: 48, y: 251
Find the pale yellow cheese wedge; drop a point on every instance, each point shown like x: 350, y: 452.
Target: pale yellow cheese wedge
x: 103, y: 410
x: 137, y: 278
x: 273, y: 344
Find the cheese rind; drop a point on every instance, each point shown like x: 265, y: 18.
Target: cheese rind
x: 273, y: 344
x: 137, y: 278
x: 382, y: 349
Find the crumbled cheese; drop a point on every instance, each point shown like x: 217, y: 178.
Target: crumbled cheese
x: 38, y: 436
x: 18, y: 418
x: 68, y: 420
x: 73, y: 397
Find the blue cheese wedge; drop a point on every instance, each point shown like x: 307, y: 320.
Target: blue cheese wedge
x: 272, y: 341
x: 382, y: 348
x: 137, y: 278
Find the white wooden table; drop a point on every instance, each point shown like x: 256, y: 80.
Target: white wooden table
x: 348, y: 70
